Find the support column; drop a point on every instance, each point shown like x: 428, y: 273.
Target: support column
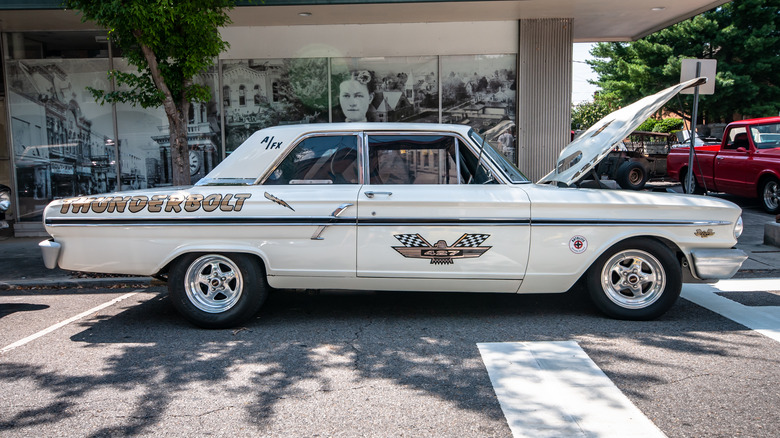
x: 544, y: 74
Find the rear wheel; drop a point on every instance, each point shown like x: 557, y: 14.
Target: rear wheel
x: 638, y: 279
x: 770, y: 195
x: 632, y: 175
x: 696, y: 189
x: 217, y: 290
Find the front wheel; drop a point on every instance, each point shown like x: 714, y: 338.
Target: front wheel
x: 217, y: 290
x: 770, y: 195
x: 638, y: 280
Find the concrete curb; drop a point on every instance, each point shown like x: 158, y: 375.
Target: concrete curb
x: 772, y: 234
x: 74, y: 282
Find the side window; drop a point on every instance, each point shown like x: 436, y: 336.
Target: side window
x: 412, y: 159
x: 737, y: 137
x: 470, y: 172
x: 319, y: 160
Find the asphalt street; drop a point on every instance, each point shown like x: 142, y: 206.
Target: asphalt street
x: 115, y: 361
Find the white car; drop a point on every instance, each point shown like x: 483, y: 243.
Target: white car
x: 400, y: 207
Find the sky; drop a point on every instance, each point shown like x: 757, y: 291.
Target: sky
x: 582, y: 91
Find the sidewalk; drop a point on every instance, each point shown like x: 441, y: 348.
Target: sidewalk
x: 21, y: 265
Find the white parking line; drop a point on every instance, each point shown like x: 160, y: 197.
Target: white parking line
x: 46, y: 331
x: 553, y: 389
x: 763, y: 319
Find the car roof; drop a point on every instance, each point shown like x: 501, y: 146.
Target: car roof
x: 267, y: 145
x: 756, y: 121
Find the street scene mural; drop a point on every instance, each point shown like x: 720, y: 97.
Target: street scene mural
x: 258, y: 93
x: 480, y: 91
x: 394, y: 89
x: 64, y: 141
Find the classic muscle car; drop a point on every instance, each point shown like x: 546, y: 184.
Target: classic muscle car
x: 400, y: 207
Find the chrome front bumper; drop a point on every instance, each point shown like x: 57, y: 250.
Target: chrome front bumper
x: 716, y: 264
x: 51, y: 253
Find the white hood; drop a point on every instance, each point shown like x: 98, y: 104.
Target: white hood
x: 584, y: 153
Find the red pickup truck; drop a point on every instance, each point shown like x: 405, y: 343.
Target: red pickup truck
x: 746, y: 163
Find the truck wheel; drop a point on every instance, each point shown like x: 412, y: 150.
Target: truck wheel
x: 637, y: 280
x: 697, y: 189
x: 770, y: 195
x: 632, y: 175
x: 217, y: 290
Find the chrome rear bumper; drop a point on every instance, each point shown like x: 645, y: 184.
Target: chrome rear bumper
x: 717, y: 264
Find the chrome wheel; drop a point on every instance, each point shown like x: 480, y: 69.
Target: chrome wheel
x: 213, y: 283
x: 771, y: 196
x: 633, y: 279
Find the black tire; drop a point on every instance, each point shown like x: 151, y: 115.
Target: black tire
x: 638, y: 279
x: 697, y: 189
x: 632, y: 175
x: 769, y: 195
x: 217, y: 290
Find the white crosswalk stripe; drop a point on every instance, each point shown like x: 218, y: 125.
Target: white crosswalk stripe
x: 763, y: 319
x: 553, y: 389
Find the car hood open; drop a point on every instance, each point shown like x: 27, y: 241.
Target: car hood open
x: 585, y: 152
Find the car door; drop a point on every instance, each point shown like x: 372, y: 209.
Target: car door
x: 429, y: 211
x: 733, y: 164
x: 309, y: 202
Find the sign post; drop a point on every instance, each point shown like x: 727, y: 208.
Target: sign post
x: 691, y: 69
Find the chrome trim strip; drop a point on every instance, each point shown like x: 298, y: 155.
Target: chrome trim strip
x: 330, y: 220
x: 283, y: 221
x: 625, y: 222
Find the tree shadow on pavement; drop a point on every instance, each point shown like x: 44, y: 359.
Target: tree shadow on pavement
x: 324, y: 347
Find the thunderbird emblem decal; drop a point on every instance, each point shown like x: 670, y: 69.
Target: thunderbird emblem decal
x: 467, y: 246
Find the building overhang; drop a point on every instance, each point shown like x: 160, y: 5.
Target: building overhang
x: 593, y: 20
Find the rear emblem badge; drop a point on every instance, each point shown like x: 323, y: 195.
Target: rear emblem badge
x: 578, y: 244
x: 467, y: 246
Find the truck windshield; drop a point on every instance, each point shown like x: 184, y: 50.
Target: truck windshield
x: 766, y: 136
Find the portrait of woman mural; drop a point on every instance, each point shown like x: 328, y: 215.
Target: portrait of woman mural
x: 356, y: 92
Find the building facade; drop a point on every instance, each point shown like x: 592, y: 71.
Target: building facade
x: 494, y: 65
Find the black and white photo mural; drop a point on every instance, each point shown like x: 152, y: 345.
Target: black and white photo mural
x: 385, y: 89
x: 480, y: 91
x: 258, y: 93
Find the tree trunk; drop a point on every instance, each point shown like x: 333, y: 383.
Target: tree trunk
x: 177, y: 120
x: 180, y: 154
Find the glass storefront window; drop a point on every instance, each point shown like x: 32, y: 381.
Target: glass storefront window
x: 480, y: 91
x: 385, y: 89
x: 64, y: 144
x: 60, y: 135
x: 258, y: 93
x: 144, y: 138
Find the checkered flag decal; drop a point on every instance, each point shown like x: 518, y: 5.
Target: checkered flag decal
x: 412, y: 240
x: 470, y: 240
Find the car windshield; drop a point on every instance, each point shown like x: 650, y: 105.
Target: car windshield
x: 502, y: 164
x: 766, y: 136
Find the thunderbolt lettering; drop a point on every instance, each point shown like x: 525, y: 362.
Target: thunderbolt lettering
x: 156, y: 204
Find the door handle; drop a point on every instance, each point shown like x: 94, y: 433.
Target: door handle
x: 372, y: 194
x: 340, y: 209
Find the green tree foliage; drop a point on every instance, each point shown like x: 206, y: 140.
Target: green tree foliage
x: 664, y: 125
x: 169, y: 42
x: 743, y: 36
x: 584, y: 115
